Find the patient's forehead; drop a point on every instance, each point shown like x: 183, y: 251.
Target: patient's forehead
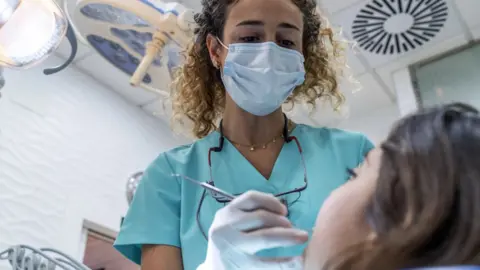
x: 373, y: 156
x: 341, y: 221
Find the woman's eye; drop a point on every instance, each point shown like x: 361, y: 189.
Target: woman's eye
x: 287, y: 43
x: 249, y: 39
x: 352, y: 173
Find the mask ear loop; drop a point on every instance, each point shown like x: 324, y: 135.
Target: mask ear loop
x: 221, y: 43
x: 216, y: 64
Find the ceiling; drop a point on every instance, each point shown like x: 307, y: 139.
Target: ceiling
x: 389, y: 34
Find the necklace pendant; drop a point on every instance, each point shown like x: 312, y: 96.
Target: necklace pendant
x: 274, y: 140
x: 252, y: 148
x: 264, y: 146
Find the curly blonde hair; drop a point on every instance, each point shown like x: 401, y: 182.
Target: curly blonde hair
x: 197, y: 90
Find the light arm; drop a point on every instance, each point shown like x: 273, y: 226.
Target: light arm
x: 72, y: 39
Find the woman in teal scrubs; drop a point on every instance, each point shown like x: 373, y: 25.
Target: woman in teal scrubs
x: 250, y: 57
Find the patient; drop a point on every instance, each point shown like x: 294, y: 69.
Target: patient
x: 414, y: 202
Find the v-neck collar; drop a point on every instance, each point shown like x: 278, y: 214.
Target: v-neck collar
x: 230, y: 169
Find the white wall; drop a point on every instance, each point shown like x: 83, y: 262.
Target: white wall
x: 375, y: 125
x: 67, y: 146
x: 405, y: 91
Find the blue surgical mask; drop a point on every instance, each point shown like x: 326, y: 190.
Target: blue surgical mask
x: 259, y: 77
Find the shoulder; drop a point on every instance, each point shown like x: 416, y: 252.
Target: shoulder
x: 333, y: 135
x: 181, y: 156
x: 339, y: 140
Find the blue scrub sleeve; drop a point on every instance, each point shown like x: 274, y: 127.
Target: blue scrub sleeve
x: 366, y: 146
x: 154, y: 215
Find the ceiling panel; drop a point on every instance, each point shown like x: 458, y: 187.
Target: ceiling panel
x: 387, y: 70
x: 64, y: 50
x: 354, y: 63
x: 331, y: 7
x: 378, y: 22
x: 159, y: 107
x: 358, y: 103
x: 369, y: 96
x: 103, y: 71
x: 469, y: 11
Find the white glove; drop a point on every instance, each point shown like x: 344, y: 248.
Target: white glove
x: 252, y: 222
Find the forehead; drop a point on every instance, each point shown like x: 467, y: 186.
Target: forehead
x: 374, y: 156
x: 270, y: 12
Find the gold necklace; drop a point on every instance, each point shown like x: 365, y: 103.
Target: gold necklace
x: 254, y: 147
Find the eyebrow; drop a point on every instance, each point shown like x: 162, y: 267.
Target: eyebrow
x: 257, y: 23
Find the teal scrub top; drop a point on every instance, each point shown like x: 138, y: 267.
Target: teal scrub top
x: 164, y: 208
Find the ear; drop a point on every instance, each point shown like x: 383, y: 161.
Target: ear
x: 214, y: 49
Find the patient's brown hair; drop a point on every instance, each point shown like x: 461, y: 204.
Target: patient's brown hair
x: 425, y: 210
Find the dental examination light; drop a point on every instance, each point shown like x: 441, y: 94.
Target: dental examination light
x: 132, y: 184
x: 31, y: 30
x: 142, y: 38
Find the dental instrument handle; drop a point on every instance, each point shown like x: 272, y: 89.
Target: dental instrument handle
x: 206, y: 186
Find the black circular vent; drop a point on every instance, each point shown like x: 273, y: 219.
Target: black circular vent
x: 398, y: 26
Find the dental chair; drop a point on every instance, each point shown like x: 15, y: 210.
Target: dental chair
x: 24, y: 257
x: 27, y: 258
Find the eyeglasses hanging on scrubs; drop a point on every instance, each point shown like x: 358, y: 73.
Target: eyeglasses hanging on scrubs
x: 31, y: 30
x: 224, y: 197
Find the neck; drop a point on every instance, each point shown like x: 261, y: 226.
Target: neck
x: 245, y: 128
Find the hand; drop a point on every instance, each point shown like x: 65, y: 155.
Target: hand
x: 252, y: 222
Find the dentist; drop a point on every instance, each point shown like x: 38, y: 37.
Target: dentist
x: 250, y: 58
